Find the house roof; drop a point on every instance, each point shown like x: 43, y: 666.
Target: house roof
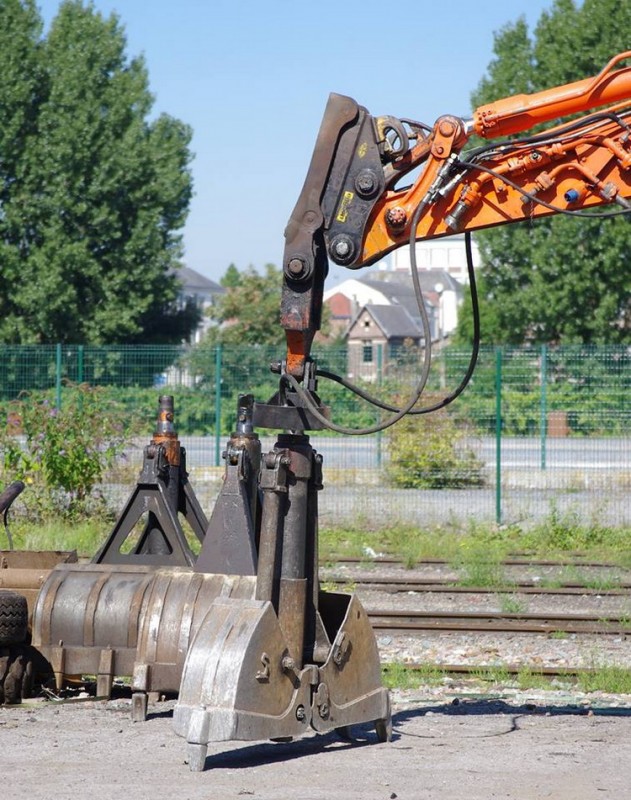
x: 340, y: 306
x: 398, y: 294
x: 395, y: 321
x: 428, y: 278
x: 192, y: 280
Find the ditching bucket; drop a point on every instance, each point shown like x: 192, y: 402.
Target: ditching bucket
x: 239, y: 681
x: 120, y: 620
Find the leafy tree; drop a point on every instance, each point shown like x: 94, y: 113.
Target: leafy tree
x: 248, y: 313
x: 231, y: 277
x: 558, y: 279
x: 92, y: 192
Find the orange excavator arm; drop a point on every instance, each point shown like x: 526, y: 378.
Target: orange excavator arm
x: 354, y: 209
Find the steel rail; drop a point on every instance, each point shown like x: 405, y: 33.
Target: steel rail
x: 516, y: 560
x: 510, y: 669
x: 497, y: 622
x: 396, y: 585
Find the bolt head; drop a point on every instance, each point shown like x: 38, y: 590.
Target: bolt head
x: 298, y: 268
x: 366, y: 183
x: 342, y: 249
x: 396, y: 217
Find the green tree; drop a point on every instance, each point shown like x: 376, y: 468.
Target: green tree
x: 93, y: 192
x: 231, y: 277
x: 558, y: 279
x: 248, y: 313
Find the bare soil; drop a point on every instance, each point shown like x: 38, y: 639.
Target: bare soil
x: 446, y: 745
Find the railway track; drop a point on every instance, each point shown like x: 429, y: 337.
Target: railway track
x: 405, y: 585
x: 512, y: 561
x: 489, y: 671
x: 411, y: 622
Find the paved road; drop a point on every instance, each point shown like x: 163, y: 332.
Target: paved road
x: 367, y: 452
x: 587, y: 477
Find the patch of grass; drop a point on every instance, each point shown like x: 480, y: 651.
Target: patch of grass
x: 569, y: 532
x: 84, y: 536
x: 493, y: 674
x: 602, y: 583
x: 527, y: 678
x: 610, y: 678
x: 400, y: 676
x: 480, y: 564
x: 478, y: 548
x: 348, y: 541
x: 512, y: 604
x: 331, y: 586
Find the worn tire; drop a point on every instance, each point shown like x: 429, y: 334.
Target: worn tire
x: 13, y: 617
x: 16, y: 673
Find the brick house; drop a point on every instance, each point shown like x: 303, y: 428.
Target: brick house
x: 375, y: 335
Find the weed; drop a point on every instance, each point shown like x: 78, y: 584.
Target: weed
x: 64, y: 452
x: 512, y: 604
x: 610, y: 678
x: 493, y: 674
x: 527, y: 678
x: 602, y: 583
x: 480, y: 565
x: 401, y: 676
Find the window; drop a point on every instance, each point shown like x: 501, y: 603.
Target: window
x: 367, y: 353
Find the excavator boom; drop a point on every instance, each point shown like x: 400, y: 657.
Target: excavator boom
x: 355, y: 206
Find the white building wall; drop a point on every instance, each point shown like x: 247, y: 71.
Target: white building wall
x: 448, y: 254
x: 358, y: 293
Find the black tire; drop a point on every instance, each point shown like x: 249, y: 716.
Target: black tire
x: 13, y: 617
x: 16, y: 673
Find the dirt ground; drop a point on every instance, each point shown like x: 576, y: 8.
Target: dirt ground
x: 444, y: 747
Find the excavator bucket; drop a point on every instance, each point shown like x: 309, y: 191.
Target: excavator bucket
x: 291, y: 658
x: 239, y: 681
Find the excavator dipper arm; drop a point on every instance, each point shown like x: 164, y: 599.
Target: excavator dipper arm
x: 353, y: 209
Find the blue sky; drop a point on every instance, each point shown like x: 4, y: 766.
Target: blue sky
x: 252, y: 79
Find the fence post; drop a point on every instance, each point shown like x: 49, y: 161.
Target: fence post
x: 58, y: 376
x: 80, y: 364
x: 544, y: 403
x: 218, y: 367
x: 379, y: 380
x: 498, y: 435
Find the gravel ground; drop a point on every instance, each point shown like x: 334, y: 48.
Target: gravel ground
x: 450, y: 740
x: 447, y: 744
x: 484, y: 649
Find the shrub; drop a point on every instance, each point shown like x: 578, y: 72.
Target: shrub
x: 428, y: 452
x: 62, y: 453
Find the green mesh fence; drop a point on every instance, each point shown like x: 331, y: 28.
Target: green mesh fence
x: 537, y: 430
